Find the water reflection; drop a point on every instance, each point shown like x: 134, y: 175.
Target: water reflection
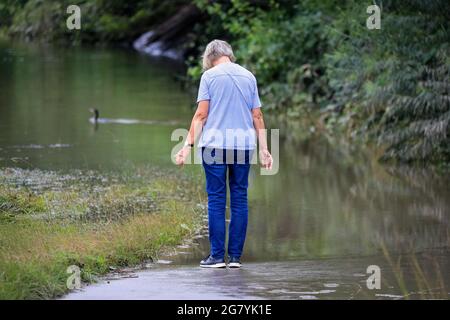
x: 327, y: 203
x: 46, y: 93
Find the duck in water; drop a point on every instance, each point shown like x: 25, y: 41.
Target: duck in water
x: 96, y: 120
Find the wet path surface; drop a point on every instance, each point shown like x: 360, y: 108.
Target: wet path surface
x: 177, y: 276
x: 323, y: 279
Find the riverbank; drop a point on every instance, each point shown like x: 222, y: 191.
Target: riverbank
x: 50, y: 221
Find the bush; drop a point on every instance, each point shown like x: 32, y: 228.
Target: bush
x: 284, y: 50
x: 102, y: 21
x: 394, y: 81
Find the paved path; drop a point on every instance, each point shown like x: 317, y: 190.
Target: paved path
x: 324, y: 279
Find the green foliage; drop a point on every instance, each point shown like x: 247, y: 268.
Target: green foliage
x: 396, y: 78
x: 38, y: 19
x: 389, y: 86
x: 266, y: 40
x: 102, y: 20
x: 8, y: 8
x: 14, y: 203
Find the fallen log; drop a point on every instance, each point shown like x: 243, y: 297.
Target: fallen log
x: 165, y: 39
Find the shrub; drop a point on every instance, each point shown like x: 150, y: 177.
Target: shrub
x: 395, y: 80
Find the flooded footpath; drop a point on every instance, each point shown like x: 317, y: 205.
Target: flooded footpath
x: 315, y: 227
x: 332, y: 278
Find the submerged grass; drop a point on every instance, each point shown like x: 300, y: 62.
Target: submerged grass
x: 89, y: 222
x: 426, y: 285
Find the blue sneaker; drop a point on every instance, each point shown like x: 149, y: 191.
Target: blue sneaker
x: 210, y: 262
x: 234, y: 262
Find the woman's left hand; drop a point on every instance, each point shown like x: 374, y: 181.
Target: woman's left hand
x: 180, y: 158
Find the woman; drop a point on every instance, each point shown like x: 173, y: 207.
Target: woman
x: 227, y: 116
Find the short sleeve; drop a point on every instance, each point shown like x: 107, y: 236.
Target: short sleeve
x: 203, y: 90
x: 256, y: 103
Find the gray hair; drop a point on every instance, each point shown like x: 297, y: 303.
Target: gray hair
x: 214, y: 50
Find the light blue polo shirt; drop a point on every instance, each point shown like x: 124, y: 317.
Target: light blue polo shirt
x: 232, y: 93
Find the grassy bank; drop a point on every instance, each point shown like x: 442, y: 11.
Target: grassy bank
x: 50, y: 221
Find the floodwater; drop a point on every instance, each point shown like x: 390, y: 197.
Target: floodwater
x: 314, y: 227
x: 46, y: 94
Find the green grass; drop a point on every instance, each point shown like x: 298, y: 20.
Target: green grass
x: 15, y: 203
x: 121, y: 224
x: 428, y: 278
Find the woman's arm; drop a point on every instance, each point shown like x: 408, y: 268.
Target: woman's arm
x: 264, y: 155
x: 198, y: 120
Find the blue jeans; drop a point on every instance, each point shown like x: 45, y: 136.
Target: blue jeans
x: 237, y: 164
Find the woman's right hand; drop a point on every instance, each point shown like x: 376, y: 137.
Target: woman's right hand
x: 265, y: 158
x: 181, y: 156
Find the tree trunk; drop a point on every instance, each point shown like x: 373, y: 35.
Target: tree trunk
x: 169, y: 32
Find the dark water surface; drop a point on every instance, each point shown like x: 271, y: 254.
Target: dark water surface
x: 314, y: 227
x: 46, y: 94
